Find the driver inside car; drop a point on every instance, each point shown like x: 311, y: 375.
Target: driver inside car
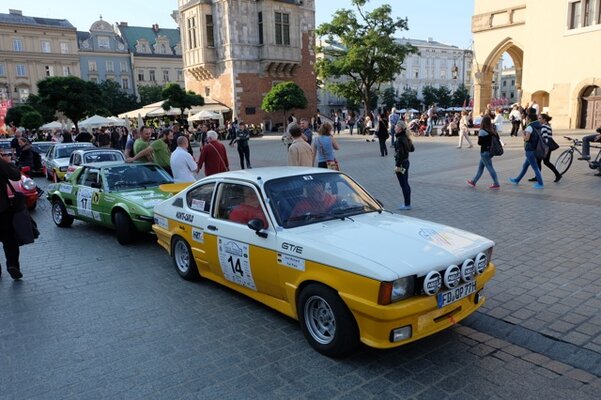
x: 249, y: 209
x: 316, y: 201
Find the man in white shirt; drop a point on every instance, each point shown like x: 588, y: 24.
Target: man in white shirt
x: 182, y: 163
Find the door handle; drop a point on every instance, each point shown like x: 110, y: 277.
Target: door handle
x: 212, y: 227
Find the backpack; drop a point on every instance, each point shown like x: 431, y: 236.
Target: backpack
x: 496, y: 148
x: 541, y: 149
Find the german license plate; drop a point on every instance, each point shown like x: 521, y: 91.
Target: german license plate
x: 450, y: 296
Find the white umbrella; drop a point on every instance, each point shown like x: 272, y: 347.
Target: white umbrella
x: 118, y: 121
x: 96, y: 121
x: 159, y: 112
x: 140, y: 121
x: 52, y: 125
x: 412, y: 110
x: 204, y: 115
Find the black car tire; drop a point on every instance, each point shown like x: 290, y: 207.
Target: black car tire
x: 183, y: 259
x: 59, y: 214
x: 124, y: 227
x: 326, y: 322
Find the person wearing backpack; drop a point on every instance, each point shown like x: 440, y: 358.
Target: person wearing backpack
x: 547, y: 135
x: 484, y: 140
x: 532, y: 134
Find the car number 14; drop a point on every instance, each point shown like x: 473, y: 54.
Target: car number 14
x: 235, y: 264
x: 450, y: 296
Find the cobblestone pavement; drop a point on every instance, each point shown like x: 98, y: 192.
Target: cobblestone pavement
x: 93, y: 319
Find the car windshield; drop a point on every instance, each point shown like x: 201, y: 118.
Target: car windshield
x: 65, y: 152
x: 306, y: 199
x: 41, y: 148
x: 99, y: 156
x: 129, y: 177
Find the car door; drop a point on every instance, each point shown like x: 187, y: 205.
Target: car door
x: 86, y: 195
x: 237, y: 253
x: 197, y: 204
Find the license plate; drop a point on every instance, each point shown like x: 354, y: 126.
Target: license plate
x: 450, y: 296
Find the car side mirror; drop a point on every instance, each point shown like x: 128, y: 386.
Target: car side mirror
x: 257, y: 225
x: 96, y: 185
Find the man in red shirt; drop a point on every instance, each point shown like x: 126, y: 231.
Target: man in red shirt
x: 213, y: 156
x: 318, y: 201
x: 249, y: 209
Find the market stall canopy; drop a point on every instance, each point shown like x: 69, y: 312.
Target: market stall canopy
x: 142, y: 111
x: 161, y: 112
x: 118, y: 121
x: 51, y: 125
x: 96, y: 121
x: 204, y: 115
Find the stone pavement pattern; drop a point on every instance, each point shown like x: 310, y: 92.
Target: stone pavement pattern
x: 93, y: 319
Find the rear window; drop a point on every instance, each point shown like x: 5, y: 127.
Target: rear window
x: 99, y: 156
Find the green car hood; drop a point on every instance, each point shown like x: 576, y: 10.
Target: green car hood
x: 146, y: 198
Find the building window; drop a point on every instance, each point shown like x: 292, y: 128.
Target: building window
x: 165, y: 75
x: 260, y: 27
x: 64, y: 48
x: 588, y: 12
x: 141, y: 75
x: 104, y: 42
x: 46, y: 46
x: 123, y: 67
x: 21, y: 70
x: 17, y: 45
x: 210, y: 31
x: 92, y: 66
x: 504, y: 83
x: 2, y: 70
x: 23, y: 94
x: 125, y: 83
x: 49, y: 70
x: 152, y: 77
x: 575, y: 14
x: 513, y: 82
x: 192, y: 44
x: 282, y: 28
x: 511, y: 95
x: 144, y: 48
x: 251, y: 110
x: 66, y: 70
x: 207, y: 91
x: 443, y: 74
x: 416, y: 74
x: 180, y: 75
x: 110, y: 66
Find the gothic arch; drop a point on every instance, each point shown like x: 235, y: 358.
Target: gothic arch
x: 576, y: 99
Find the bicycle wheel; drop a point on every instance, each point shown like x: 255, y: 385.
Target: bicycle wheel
x: 564, y: 161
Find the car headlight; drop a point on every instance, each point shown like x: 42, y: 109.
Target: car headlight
x: 396, y: 290
x: 63, y: 169
x: 28, y: 184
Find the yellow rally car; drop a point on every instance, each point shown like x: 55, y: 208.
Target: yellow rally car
x: 314, y: 245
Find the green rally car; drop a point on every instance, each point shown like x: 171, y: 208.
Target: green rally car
x: 117, y: 195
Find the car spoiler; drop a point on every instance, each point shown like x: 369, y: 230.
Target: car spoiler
x: 174, y: 188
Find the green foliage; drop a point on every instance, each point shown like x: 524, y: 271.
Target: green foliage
x: 115, y: 100
x: 177, y: 97
x: 389, y: 97
x: 32, y: 120
x: 429, y: 95
x: 70, y: 95
x: 461, y: 96
x: 150, y: 94
x: 409, y: 99
x: 443, y: 96
x: 47, y: 113
x: 15, y: 114
x: 284, y: 96
x: 367, y: 55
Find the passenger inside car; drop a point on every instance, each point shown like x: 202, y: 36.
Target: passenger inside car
x: 249, y: 209
x: 316, y: 201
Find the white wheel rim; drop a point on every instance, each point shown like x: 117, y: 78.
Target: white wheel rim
x: 182, y: 256
x: 320, y: 320
x: 57, y: 213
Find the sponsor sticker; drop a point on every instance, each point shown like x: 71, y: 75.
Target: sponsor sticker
x: 64, y: 188
x: 198, y: 205
x: 185, y: 217
x: 292, y: 262
x: 95, y: 197
x: 161, y: 221
x: 198, y: 235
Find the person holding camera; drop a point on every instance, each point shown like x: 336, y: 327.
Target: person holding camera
x: 402, y: 147
x: 8, y: 171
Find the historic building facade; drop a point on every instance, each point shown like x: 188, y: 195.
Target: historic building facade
x: 552, y: 46
x: 236, y: 50
x: 104, y: 56
x: 156, y: 54
x: 31, y: 49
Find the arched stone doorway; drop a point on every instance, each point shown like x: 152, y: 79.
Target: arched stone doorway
x: 484, y: 74
x: 590, y: 107
x: 542, y: 99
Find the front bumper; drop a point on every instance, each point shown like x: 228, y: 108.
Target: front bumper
x: 376, y: 322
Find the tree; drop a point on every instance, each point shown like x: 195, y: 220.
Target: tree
x: 368, y: 56
x: 70, y: 95
x: 284, y: 97
x: 177, y: 97
x: 429, y: 95
x: 409, y: 99
x: 114, y: 99
x: 14, y: 115
x: 389, y: 97
x: 443, y: 96
x: 32, y: 120
x: 47, y: 113
x: 461, y: 96
x: 150, y: 94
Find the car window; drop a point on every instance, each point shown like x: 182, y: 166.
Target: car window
x: 239, y: 203
x: 65, y: 152
x: 82, y: 177
x: 199, y: 198
x: 133, y: 176
x: 99, y: 156
x: 91, y: 177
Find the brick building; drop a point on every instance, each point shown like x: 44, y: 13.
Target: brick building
x: 236, y: 50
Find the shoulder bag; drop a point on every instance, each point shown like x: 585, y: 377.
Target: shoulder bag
x: 330, y: 164
x: 25, y: 228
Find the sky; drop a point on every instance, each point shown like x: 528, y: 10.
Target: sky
x: 442, y: 20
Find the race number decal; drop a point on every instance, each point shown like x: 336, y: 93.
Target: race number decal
x: 233, y: 257
x: 84, y: 201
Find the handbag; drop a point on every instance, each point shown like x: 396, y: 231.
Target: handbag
x: 330, y: 164
x: 552, y: 144
x: 25, y: 228
x: 496, y: 148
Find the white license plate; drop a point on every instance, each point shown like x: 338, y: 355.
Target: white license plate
x: 450, y: 296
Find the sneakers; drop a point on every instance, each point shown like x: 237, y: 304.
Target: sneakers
x: 494, y: 187
x: 14, y: 273
x: 404, y: 207
x: 471, y: 183
x: 586, y: 158
x: 538, y: 186
x: 513, y: 180
x: 557, y: 178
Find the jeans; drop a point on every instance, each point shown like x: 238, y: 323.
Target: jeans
x: 586, y: 145
x: 392, y: 136
x: 350, y: 128
x: 7, y: 237
x: 383, y: 149
x: 547, y: 161
x: 530, y: 161
x: 404, y: 182
x: 244, y: 152
x: 486, y: 161
x: 430, y: 126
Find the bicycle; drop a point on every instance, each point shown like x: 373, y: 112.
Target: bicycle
x: 564, y: 161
